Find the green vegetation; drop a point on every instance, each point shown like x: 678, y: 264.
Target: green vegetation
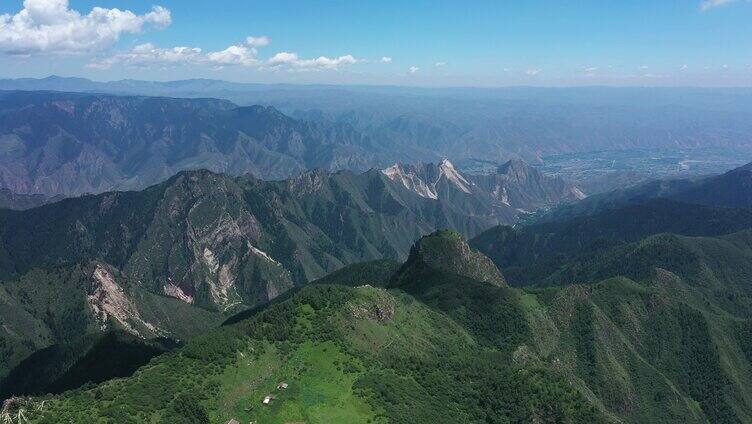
x: 610, y: 327
x: 348, y: 355
x: 529, y: 254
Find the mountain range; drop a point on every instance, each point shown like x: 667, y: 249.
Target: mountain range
x: 638, y: 312
x: 203, y: 245
x: 69, y: 144
x: 191, y: 260
x: 412, y: 125
x: 445, y: 338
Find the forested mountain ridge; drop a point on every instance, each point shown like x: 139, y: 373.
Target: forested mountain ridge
x: 364, y: 340
x: 10, y: 200
x: 531, y: 253
x: 647, y: 347
x: 203, y: 245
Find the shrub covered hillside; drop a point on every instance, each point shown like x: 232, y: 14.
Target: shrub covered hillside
x: 449, y: 341
x: 344, y: 354
x: 655, y: 330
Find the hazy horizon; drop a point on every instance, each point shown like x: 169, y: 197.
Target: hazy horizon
x: 377, y: 85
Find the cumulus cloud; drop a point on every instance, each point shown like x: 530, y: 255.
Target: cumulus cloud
x: 385, y: 59
x: 239, y: 54
x: 684, y: 67
x: 292, y: 62
x: 51, y: 26
x: 413, y: 69
x: 234, y: 55
x: 532, y: 72
x: 439, y: 64
x: 148, y: 54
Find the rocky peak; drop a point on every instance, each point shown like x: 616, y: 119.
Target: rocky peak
x: 448, y: 251
x: 425, y: 179
x: 516, y: 169
x: 448, y: 171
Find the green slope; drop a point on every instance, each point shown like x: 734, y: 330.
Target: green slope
x: 195, y: 249
x: 655, y: 330
x: 348, y: 355
x: 529, y: 254
x: 447, y: 352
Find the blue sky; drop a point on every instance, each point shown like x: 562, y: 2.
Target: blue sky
x: 435, y: 43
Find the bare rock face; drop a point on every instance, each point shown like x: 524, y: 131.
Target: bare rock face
x: 205, y: 236
x: 515, y: 185
x: 173, y: 290
x: 110, y: 304
x: 16, y: 409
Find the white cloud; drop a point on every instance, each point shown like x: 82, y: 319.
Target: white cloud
x: 292, y: 62
x: 385, y: 59
x: 440, y: 64
x: 643, y: 67
x: 147, y: 54
x: 242, y: 54
x: 684, y: 67
x: 709, y: 4
x: 50, y: 26
x: 234, y: 55
x: 239, y: 54
x: 258, y: 41
x: 533, y: 72
x: 413, y: 69
x: 283, y: 58
x: 725, y: 67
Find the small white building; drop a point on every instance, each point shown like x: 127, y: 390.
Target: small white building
x: 267, y: 400
x: 282, y: 385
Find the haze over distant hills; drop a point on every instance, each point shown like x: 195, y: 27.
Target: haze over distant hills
x: 358, y: 127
